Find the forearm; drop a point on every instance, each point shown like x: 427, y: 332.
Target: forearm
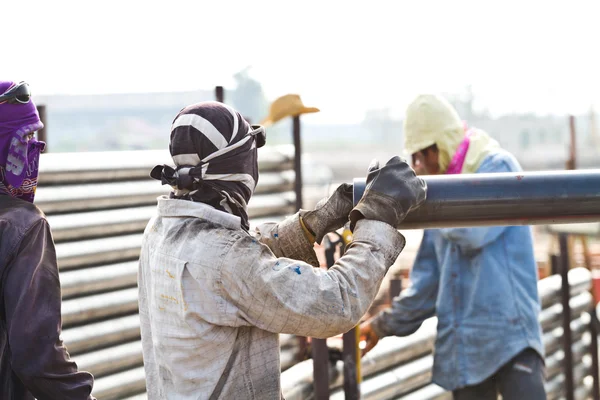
x: 288, y: 239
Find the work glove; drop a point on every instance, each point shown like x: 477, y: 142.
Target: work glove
x: 330, y: 213
x: 391, y: 192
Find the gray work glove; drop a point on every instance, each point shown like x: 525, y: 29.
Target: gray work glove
x: 392, y: 191
x: 329, y: 213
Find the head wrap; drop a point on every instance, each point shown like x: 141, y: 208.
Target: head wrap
x: 430, y: 120
x: 19, y: 155
x: 215, y: 158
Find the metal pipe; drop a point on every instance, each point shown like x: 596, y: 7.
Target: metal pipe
x: 99, y: 279
x: 523, y: 198
x: 109, y: 196
x: 565, y: 296
x: 552, y: 316
x: 88, y: 309
x: 117, y: 386
x: 101, y: 334
x: 109, y: 166
x: 594, y: 352
x: 429, y: 392
x: 580, y: 280
x: 552, y: 340
x: 395, y: 382
x: 554, y: 363
x: 87, y: 253
x: 111, y: 360
x: 392, y: 351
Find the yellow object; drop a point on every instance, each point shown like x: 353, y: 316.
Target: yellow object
x: 311, y: 238
x: 430, y: 120
x: 289, y: 105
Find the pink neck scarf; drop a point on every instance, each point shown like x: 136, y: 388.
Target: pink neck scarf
x: 457, y: 162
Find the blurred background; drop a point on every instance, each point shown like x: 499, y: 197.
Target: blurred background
x: 114, y: 74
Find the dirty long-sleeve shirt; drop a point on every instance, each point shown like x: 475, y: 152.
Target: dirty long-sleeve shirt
x: 33, y: 360
x: 482, y: 285
x: 214, y: 298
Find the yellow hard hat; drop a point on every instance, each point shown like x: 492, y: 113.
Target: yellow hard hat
x: 289, y: 105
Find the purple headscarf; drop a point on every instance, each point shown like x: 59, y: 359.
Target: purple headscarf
x: 19, y: 156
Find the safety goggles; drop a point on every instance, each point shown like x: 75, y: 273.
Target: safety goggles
x: 259, y: 133
x: 19, y: 93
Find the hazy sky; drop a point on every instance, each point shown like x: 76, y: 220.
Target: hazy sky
x: 342, y: 56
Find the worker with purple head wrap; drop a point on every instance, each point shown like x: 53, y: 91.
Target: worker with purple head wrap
x: 34, y: 363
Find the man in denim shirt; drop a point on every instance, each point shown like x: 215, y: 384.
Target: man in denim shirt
x: 480, y: 282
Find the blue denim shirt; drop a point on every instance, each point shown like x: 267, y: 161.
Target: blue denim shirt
x: 482, y: 285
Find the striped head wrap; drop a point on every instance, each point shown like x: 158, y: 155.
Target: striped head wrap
x: 215, y: 153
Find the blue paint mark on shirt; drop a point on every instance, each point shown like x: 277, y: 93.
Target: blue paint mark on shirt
x: 297, y: 270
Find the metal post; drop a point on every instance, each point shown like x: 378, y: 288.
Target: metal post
x: 524, y: 198
x: 565, y: 297
x: 594, y: 351
x: 572, y: 162
x: 350, y: 356
x: 297, y: 161
x: 219, y: 94
x: 41, y: 134
x: 320, y: 356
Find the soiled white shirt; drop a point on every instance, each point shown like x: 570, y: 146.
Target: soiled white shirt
x: 214, y: 298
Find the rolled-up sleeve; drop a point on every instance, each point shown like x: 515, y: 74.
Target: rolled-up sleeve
x: 32, y: 301
x: 285, y: 295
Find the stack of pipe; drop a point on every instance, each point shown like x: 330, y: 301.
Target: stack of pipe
x: 98, y: 205
x: 400, y: 367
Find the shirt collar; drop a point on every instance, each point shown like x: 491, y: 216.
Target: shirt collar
x: 184, y: 208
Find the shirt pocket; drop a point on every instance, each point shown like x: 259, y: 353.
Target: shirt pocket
x: 166, y: 294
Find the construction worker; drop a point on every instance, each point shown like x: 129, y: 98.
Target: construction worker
x: 33, y: 361
x: 480, y: 282
x: 214, y: 297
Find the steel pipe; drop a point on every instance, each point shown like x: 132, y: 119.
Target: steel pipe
x: 87, y: 253
x: 142, y: 396
x: 555, y: 387
x: 112, y: 359
x: 523, y: 198
x: 98, y: 279
x: 395, y: 382
x: 393, y: 351
x: 429, y: 392
x: 297, y: 382
x: 552, y: 340
x: 91, y: 308
x: 108, y: 166
x: 97, y: 224
x: 554, y: 362
x: 107, y: 196
x: 552, y: 316
x: 101, y: 334
x: 580, y: 279
x: 120, y: 385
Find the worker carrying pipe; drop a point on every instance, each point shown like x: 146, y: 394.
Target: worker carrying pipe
x: 34, y: 363
x: 480, y: 282
x: 214, y: 296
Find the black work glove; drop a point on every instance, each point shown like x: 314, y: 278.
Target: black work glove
x: 392, y: 191
x: 331, y: 213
